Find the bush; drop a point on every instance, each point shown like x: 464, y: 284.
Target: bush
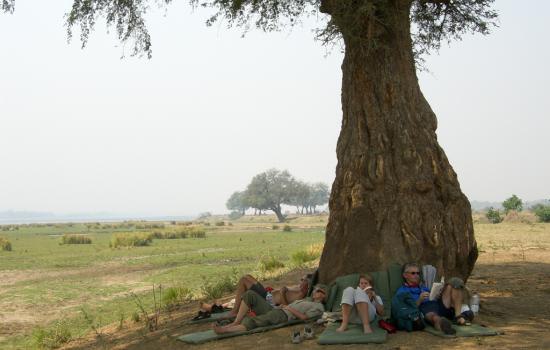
x: 311, y: 253
x: 131, y: 240
x: 275, y: 227
x: 512, y: 203
x: 198, y: 233
x: 220, y: 223
x: 287, y: 228
x: 53, y: 337
x: 179, y: 234
x: 175, y: 295
x: 542, y: 212
x: 270, y: 263
x: 75, y: 239
x: 215, y: 289
x: 494, y: 216
x: 5, y: 244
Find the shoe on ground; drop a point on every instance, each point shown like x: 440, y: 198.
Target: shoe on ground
x: 308, y: 332
x: 296, y: 337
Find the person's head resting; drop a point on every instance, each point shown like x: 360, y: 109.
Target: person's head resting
x: 319, y: 293
x: 365, y: 281
x: 411, y: 273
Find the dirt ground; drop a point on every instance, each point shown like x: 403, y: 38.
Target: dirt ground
x: 514, y: 289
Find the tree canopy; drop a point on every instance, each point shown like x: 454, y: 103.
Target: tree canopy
x: 433, y: 21
x: 271, y: 189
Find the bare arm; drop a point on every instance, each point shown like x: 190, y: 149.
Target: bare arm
x: 296, y: 313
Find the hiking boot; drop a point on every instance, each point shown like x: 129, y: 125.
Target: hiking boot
x: 308, y: 332
x: 296, y: 337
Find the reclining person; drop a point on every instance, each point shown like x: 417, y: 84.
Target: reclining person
x: 440, y: 311
x: 267, y: 315
x: 283, y: 296
x: 360, y: 305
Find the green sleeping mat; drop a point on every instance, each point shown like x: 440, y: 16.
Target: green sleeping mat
x: 209, y: 335
x: 212, y: 318
x: 475, y: 330
x: 353, y: 335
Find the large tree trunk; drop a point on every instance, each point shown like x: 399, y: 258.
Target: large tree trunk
x: 277, y: 210
x: 395, y: 198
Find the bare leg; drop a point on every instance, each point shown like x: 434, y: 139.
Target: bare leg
x: 244, y: 284
x: 457, y: 296
x: 434, y: 319
x: 363, y: 311
x: 229, y: 328
x: 346, y: 311
x: 243, y: 309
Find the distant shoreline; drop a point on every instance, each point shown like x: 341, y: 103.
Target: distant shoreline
x: 63, y: 220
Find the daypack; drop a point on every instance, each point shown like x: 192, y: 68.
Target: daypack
x: 405, y: 314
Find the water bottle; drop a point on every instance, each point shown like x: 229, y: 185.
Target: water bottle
x: 474, y: 303
x: 269, y: 298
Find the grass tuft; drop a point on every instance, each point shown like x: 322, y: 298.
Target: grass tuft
x: 311, y: 253
x: 131, y: 240
x: 5, y: 244
x: 75, y: 239
x: 270, y: 263
x: 53, y: 337
x: 216, y: 288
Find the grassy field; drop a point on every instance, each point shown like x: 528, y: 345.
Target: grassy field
x: 44, y: 280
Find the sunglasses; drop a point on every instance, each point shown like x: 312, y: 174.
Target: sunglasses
x: 320, y: 291
x: 413, y: 273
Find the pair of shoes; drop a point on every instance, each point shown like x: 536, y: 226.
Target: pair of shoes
x: 446, y: 326
x: 201, y: 315
x: 297, y: 336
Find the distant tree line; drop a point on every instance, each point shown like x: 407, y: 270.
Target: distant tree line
x: 514, y: 203
x: 273, y: 188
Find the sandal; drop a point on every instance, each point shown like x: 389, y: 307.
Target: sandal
x: 201, y: 315
x: 446, y: 326
x: 462, y: 321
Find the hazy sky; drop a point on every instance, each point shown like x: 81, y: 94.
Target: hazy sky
x: 83, y: 130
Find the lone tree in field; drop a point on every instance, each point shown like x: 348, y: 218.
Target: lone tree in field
x: 395, y: 197
x: 512, y: 203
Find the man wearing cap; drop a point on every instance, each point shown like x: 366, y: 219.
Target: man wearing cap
x: 267, y: 315
x: 447, y: 306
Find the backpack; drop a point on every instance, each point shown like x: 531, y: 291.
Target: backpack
x: 405, y: 314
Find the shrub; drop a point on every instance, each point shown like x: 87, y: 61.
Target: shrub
x: 512, y: 203
x: 311, y: 253
x: 5, y: 244
x: 287, y: 228
x: 197, y: 233
x: 270, y: 263
x: 131, y: 240
x: 494, y: 216
x: 183, y: 233
x: 542, y: 212
x: 275, y: 227
x: 215, y: 289
x: 207, y: 224
x: 75, y: 239
x: 53, y: 337
x: 220, y: 223
x: 175, y: 295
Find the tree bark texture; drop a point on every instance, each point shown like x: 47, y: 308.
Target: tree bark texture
x: 395, y: 197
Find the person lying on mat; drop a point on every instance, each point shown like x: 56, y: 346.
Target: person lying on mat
x: 440, y: 311
x: 283, y: 296
x: 267, y: 315
x: 360, y: 305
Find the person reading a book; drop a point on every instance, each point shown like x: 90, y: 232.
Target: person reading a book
x: 360, y: 305
x: 267, y: 315
x: 445, y: 307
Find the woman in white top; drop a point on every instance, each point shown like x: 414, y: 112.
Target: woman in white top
x: 360, y: 305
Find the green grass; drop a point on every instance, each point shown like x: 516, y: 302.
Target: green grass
x: 61, y: 279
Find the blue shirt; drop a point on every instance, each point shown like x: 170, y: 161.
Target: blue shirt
x: 414, y: 291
